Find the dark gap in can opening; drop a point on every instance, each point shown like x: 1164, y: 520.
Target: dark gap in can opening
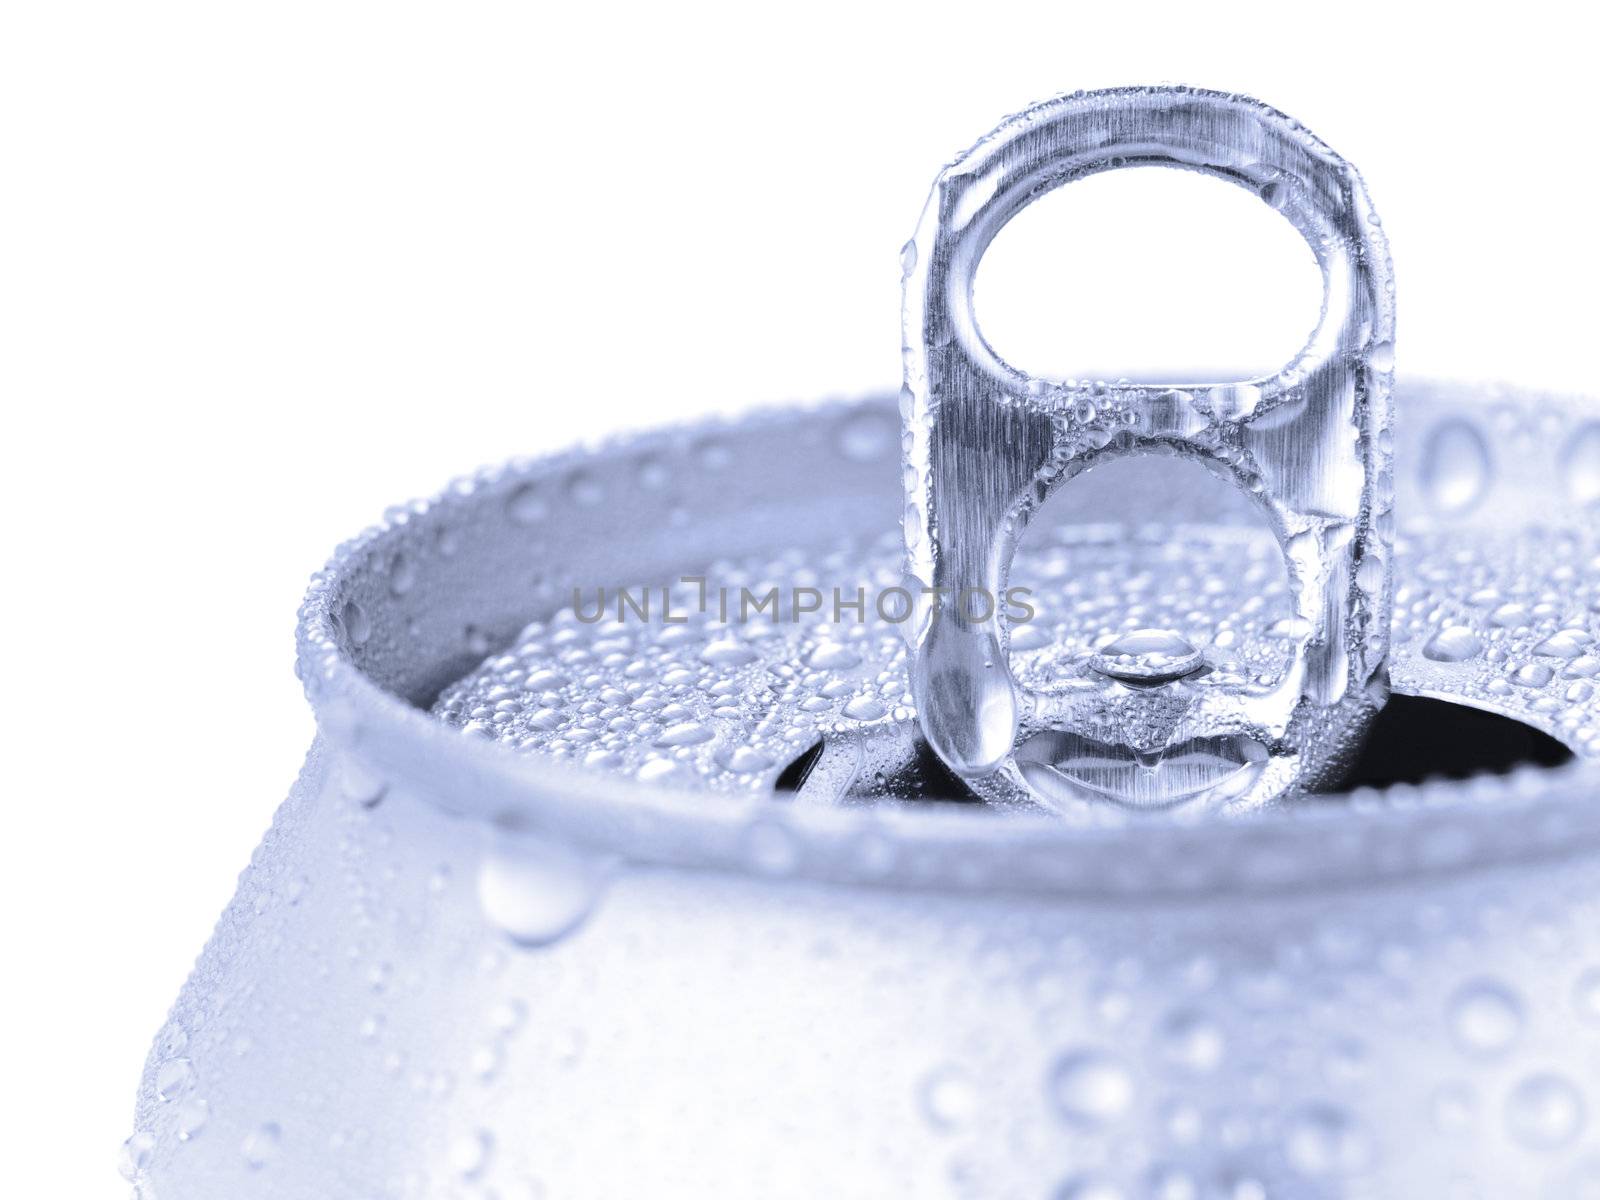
x: 793, y: 777
x: 919, y: 776
x: 1416, y: 738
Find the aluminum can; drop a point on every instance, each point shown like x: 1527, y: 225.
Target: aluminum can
x: 679, y: 903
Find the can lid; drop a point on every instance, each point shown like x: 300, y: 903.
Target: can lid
x: 770, y: 642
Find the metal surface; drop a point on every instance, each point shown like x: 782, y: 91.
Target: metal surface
x: 987, y: 444
x: 561, y: 908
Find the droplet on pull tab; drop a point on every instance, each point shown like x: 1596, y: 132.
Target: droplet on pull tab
x: 538, y: 890
x: 1147, y: 656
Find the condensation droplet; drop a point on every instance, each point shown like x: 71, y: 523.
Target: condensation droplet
x: 1455, y: 466
x: 1089, y: 1187
x: 728, y: 654
x: 1192, y: 1041
x: 771, y: 848
x: 261, y: 1145
x: 1090, y: 1089
x: 526, y: 506
x: 1323, y: 1139
x: 867, y: 436
x: 864, y: 708
x: 948, y: 1100
x: 1544, y: 1112
x: 1586, y: 996
x: 536, y: 890
x: 1485, y: 1018
x: 135, y: 1155
x: 470, y: 1153
x: 356, y: 625
x: 1580, y: 464
x: 191, y: 1117
x: 174, y: 1079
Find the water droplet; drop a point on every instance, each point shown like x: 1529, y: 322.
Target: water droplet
x: 1586, y: 996
x: 360, y: 784
x: 1030, y: 636
x: 684, y: 733
x: 867, y: 436
x: 1485, y: 1017
x: 1381, y: 356
x: 135, y: 1156
x: 1564, y: 643
x: 470, y: 1152
x: 402, y: 574
x: 537, y: 890
x: 1580, y: 464
x: 771, y: 848
x: 1532, y: 675
x: 1089, y: 1187
x: 1453, y: 644
x: 526, y: 506
x: 833, y: 656
x: 1192, y: 1041
x: 864, y: 708
x: 1544, y: 1111
x: 584, y: 489
x: 1147, y: 656
x: 356, y: 625
x: 1511, y: 616
x: 1455, y: 466
x: 745, y: 760
x: 1090, y: 1089
x: 261, y: 1145
x: 174, y: 1079
x: 948, y: 1099
x: 1323, y: 1139
x: 728, y: 654
x: 191, y: 1117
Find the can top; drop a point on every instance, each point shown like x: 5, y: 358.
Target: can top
x: 414, y: 604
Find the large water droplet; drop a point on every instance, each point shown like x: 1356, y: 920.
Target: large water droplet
x: 1147, y: 656
x: 1453, y: 644
x: 1192, y: 1041
x: 1586, y: 996
x: 261, y: 1145
x: 135, y: 1155
x: 1564, y: 643
x: 1580, y: 464
x: 470, y: 1152
x: 1089, y: 1187
x: 1323, y: 1139
x: 357, y: 627
x: 174, y: 1078
x: 866, y: 436
x: 1485, y: 1017
x: 1090, y: 1089
x: 948, y: 1100
x: 191, y: 1117
x: 537, y: 890
x: 728, y: 654
x: 526, y: 506
x: 1544, y: 1111
x: 1455, y: 466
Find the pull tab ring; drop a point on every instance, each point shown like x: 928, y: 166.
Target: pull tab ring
x: 987, y: 444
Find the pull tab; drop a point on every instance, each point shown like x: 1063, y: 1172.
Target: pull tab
x: 987, y: 444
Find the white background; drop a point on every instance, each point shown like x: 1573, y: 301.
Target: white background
x: 267, y: 268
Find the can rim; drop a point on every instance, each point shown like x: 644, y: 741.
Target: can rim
x: 1438, y: 826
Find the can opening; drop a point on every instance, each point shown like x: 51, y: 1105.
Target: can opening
x: 1417, y: 738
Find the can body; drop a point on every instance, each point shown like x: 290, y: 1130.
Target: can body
x: 358, y: 1028
x: 442, y: 977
